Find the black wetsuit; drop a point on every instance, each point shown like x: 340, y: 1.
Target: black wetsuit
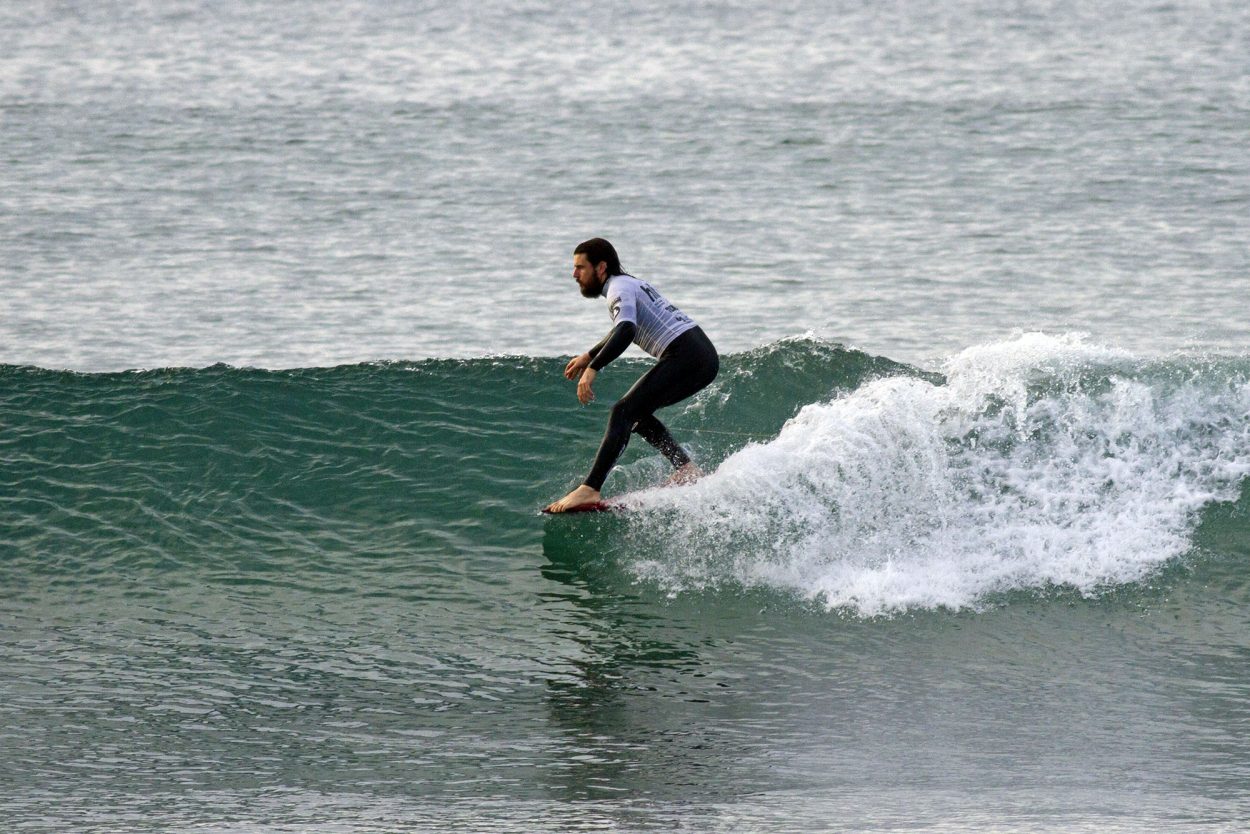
x: 687, y: 364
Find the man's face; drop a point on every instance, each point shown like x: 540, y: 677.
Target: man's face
x: 589, y: 277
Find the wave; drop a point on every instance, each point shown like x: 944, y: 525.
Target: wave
x: 843, y: 478
x: 296, y: 470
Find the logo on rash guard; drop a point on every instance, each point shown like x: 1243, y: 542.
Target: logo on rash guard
x: 616, y: 309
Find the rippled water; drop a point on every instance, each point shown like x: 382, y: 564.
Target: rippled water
x: 190, y: 183
x: 323, y: 600
x: 954, y: 580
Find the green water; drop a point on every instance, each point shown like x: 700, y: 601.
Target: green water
x: 324, y: 600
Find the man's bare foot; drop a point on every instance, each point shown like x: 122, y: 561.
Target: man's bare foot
x: 687, y: 473
x: 582, y: 495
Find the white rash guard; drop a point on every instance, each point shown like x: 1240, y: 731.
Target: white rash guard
x: 658, y: 322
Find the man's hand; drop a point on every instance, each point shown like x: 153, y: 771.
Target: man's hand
x: 576, y: 365
x: 584, y: 394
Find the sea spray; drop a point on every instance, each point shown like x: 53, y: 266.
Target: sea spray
x: 1042, y: 461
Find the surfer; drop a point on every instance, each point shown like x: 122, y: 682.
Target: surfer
x: 687, y: 363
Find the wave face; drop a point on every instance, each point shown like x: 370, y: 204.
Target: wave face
x: 186, y: 467
x: 842, y: 478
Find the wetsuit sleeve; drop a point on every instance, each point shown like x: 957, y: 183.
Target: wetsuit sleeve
x: 594, y: 351
x: 614, y: 345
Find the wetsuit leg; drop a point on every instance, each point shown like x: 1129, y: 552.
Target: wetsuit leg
x: 688, y: 365
x: 656, y: 433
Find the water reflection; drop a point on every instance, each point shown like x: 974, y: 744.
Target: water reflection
x: 641, y: 712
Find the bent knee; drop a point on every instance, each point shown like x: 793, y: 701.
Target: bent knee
x: 622, y: 411
x: 627, y: 413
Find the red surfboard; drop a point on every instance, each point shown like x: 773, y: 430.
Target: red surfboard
x: 610, y: 505
x: 592, y: 507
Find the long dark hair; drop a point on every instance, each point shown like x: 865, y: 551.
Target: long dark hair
x: 597, y: 250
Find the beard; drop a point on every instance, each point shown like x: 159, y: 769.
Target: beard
x: 593, y: 291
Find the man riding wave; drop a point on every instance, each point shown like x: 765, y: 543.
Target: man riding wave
x: 687, y: 364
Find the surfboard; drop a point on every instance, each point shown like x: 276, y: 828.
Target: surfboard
x: 592, y: 507
x: 622, y: 503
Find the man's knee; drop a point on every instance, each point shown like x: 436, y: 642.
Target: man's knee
x: 622, y: 412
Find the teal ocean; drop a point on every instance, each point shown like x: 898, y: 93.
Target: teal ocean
x: 1006, y: 594
x: 285, y: 294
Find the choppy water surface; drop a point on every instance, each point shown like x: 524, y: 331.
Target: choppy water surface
x: 190, y: 183
x: 1009, y: 595
x: 955, y: 566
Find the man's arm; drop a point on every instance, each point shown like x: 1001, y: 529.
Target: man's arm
x: 610, y: 346
x: 586, y: 367
x: 594, y: 351
x: 614, y: 345
x: 580, y: 362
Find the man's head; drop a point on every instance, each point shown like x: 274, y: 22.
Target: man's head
x: 594, y: 262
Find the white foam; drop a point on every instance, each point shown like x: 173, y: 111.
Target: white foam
x: 1043, y: 461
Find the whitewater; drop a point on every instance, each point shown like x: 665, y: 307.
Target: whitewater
x: 1039, y: 462
x: 285, y: 296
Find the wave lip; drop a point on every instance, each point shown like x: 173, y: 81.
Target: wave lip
x: 1042, y: 461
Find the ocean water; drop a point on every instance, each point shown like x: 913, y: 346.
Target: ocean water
x: 314, y: 184
x: 286, y: 296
